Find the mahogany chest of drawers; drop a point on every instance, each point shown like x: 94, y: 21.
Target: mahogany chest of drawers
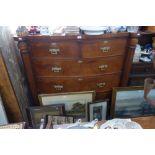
x: 56, y: 64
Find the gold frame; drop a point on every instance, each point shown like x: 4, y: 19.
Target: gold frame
x: 67, y: 93
x: 20, y: 125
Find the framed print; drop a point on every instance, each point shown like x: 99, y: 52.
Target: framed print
x: 20, y: 125
x: 98, y: 110
x: 3, y: 116
x: 129, y: 102
x: 57, y: 120
x: 76, y: 103
x: 37, y: 113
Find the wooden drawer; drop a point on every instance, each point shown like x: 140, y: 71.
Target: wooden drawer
x: 49, y: 67
x: 102, y: 48
x: 102, y: 65
x: 62, y: 49
x: 98, y: 83
x: 87, y: 67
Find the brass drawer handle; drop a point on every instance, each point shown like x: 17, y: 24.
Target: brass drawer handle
x: 105, y: 41
x: 58, y: 87
x: 56, y: 69
x: 54, y: 51
x: 103, y: 67
x: 101, y: 85
x: 80, y: 79
x: 105, y: 49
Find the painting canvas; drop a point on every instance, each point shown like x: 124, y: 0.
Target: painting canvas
x: 76, y: 104
x: 129, y: 102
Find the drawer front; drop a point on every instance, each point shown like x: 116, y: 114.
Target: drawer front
x: 55, y: 49
x: 49, y: 67
x: 102, y: 65
x: 103, y: 48
x: 87, y: 67
x: 98, y: 83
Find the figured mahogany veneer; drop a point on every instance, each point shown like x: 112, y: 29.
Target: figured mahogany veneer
x: 71, y: 84
x: 55, y: 49
x: 55, y: 64
x: 85, y: 67
x: 103, y: 48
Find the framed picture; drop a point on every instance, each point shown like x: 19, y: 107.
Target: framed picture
x: 57, y: 120
x: 3, y: 116
x: 20, y: 125
x: 76, y: 103
x: 98, y: 110
x: 129, y: 102
x: 37, y: 113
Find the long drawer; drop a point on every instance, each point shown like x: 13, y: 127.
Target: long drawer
x: 98, y: 83
x: 63, y: 49
x: 102, y: 48
x: 85, y: 67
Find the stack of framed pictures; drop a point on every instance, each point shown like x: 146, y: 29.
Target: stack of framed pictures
x: 76, y: 103
x: 65, y: 108
x: 128, y: 102
x: 35, y: 114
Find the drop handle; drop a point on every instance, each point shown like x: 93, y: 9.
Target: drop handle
x: 105, y: 49
x: 58, y: 87
x: 103, y: 67
x: 56, y: 69
x: 101, y: 85
x: 54, y: 51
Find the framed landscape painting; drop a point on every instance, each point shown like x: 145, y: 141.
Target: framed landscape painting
x: 129, y: 102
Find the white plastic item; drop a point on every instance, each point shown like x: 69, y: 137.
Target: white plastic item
x: 137, y: 53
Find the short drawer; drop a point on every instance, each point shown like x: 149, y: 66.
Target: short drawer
x: 98, y: 83
x: 101, y: 48
x: 62, y: 49
x: 49, y: 67
x: 102, y: 65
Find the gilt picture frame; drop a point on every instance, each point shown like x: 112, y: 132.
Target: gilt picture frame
x: 20, y: 125
x: 76, y: 103
x: 128, y: 102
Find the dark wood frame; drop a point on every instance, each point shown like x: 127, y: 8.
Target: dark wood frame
x: 97, y: 102
x: 56, y: 109
x: 114, y: 94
